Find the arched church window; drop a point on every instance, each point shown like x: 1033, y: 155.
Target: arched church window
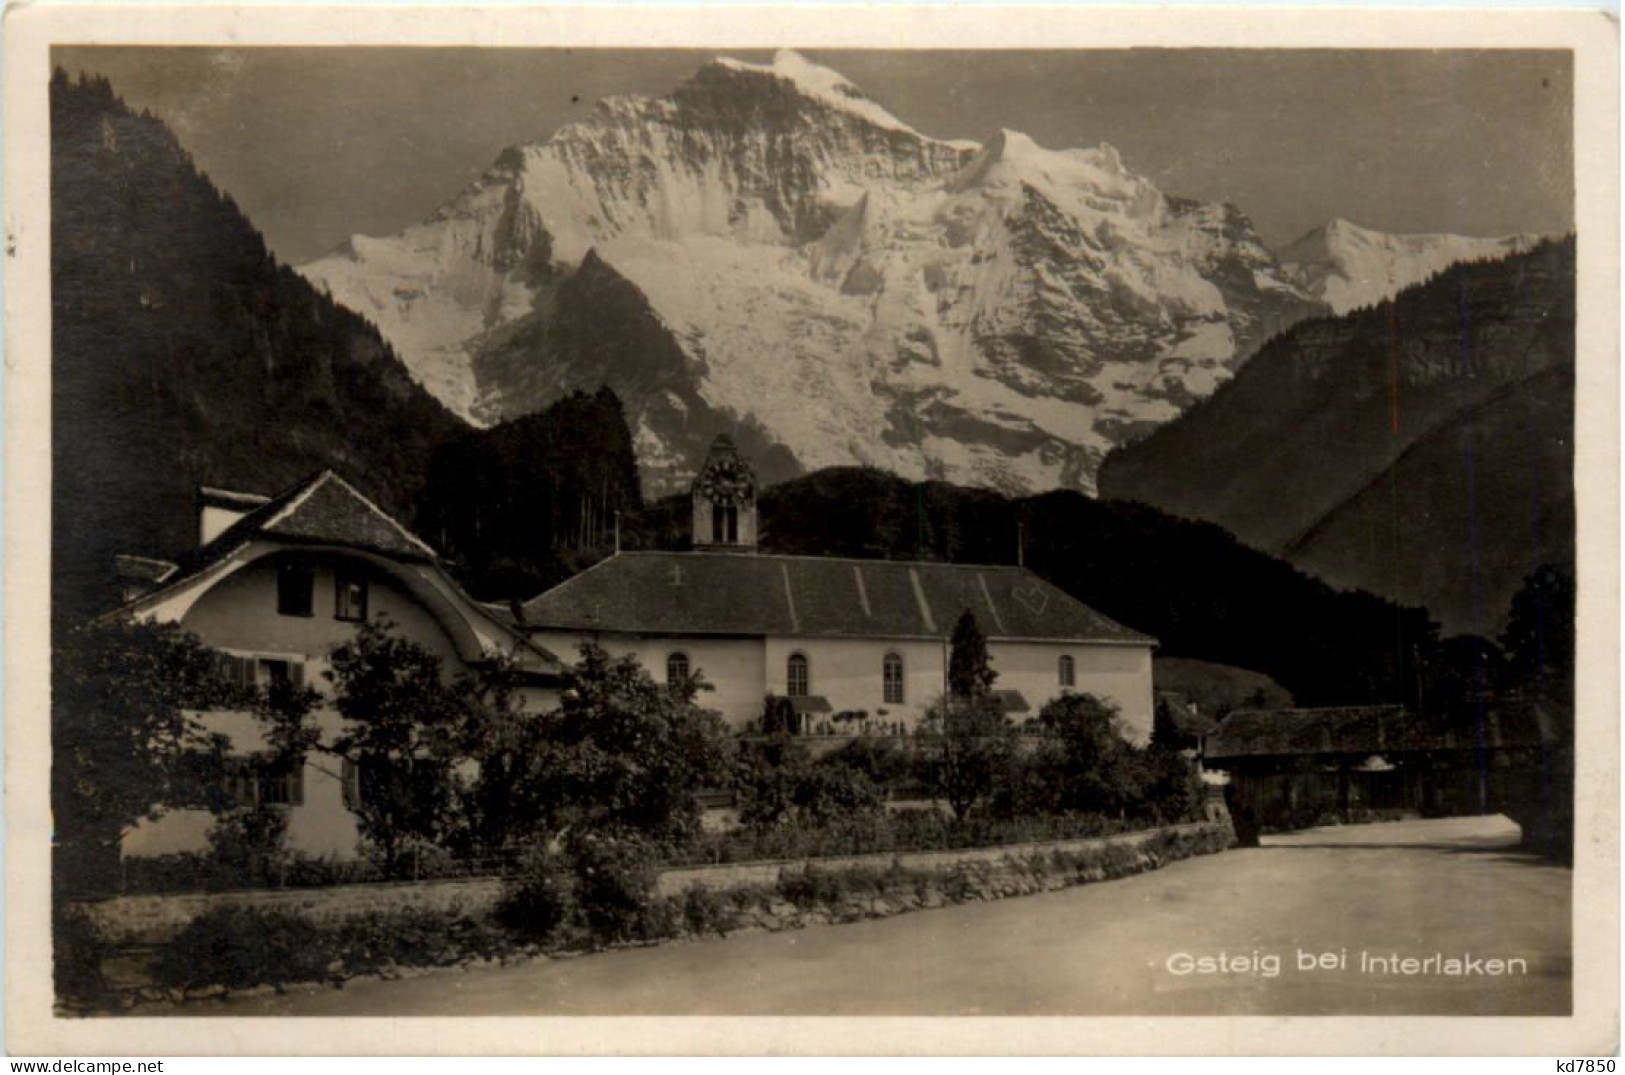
x: 1067, y: 671
x: 892, y: 676
x: 797, y: 678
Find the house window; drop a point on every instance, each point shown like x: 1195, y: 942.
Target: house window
x: 260, y: 782
x: 249, y: 672
x: 1067, y: 671
x: 676, y: 669
x: 891, y: 671
x: 238, y: 671
x: 370, y: 779
x: 275, y: 671
x: 295, y: 589
x: 797, y: 678
x: 350, y: 595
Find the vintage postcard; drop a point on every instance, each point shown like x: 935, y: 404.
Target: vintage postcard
x: 661, y: 528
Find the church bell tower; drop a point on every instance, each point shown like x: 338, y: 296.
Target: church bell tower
x: 725, y: 500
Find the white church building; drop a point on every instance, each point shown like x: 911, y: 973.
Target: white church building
x: 856, y: 645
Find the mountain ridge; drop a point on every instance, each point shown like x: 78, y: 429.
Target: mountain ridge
x: 1000, y: 313
x: 1348, y: 266
x: 1321, y: 448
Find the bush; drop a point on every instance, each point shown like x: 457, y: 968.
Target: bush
x: 1173, y: 790
x: 706, y: 911
x: 615, y: 884
x: 246, y: 847
x: 777, y: 783
x: 543, y: 898
x: 604, y: 885
x: 880, y: 760
x: 811, y: 886
x: 1091, y: 766
x: 77, y: 947
x: 412, y: 938
x: 241, y: 946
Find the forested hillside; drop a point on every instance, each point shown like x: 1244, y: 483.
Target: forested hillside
x: 1422, y: 448
x: 523, y: 505
x: 185, y: 354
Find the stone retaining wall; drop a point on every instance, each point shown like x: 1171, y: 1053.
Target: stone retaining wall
x: 141, y: 920
x: 152, y: 919
x: 675, y: 881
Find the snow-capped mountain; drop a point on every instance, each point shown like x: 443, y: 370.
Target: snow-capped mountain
x: 1347, y: 266
x: 769, y: 251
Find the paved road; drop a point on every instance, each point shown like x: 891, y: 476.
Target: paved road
x: 1448, y: 889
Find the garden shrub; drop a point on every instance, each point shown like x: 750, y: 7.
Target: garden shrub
x: 411, y: 937
x: 660, y: 919
x: 706, y: 911
x: 542, y: 898
x: 242, y: 946
x: 776, y: 783
x: 880, y: 760
x: 810, y: 886
x: 615, y: 879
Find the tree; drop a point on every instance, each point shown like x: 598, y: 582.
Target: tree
x: 626, y: 753
x: 970, y: 674
x: 779, y: 716
x: 970, y: 746
x: 1540, y: 633
x: 505, y: 804
x: 402, y: 722
x: 1165, y: 731
x: 777, y: 782
x: 126, y: 743
x: 1540, y: 651
x: 1092, y: 766
x: 121, y: 734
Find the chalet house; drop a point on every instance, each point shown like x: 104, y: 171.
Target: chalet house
x: 856, y: 645
x: 276, y: 585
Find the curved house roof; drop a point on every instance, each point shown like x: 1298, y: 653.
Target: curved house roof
x: 327, y: 512
x: 759, y: 594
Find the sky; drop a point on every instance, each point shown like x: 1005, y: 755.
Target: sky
x: 317, y: 144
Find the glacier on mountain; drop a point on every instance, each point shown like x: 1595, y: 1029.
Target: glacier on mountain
x: 1347, y: 266
x: 768, y: 251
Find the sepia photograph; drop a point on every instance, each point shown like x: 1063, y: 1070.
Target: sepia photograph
x: 797, y: 531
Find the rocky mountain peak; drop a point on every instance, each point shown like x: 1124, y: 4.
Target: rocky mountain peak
x: 1348, y: 266
x: 813, y: 269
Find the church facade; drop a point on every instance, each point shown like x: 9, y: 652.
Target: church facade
x: 855, y: 645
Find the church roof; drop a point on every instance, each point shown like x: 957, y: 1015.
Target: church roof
x: 706, y: 593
